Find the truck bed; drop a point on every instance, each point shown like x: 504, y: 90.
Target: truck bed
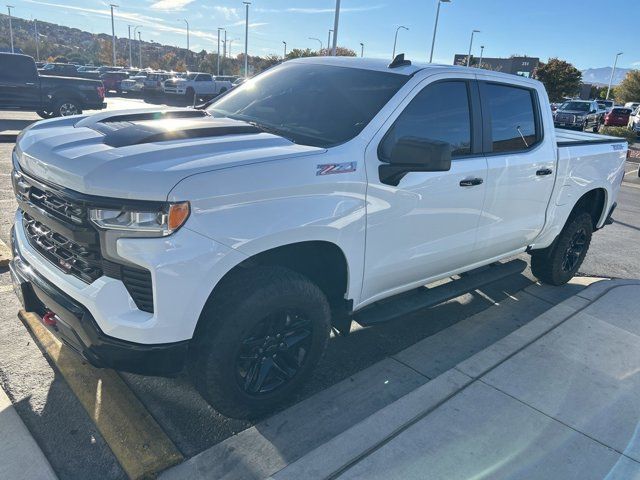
x: 571, y: 138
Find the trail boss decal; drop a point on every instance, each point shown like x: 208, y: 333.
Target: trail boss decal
x: 332, y: 168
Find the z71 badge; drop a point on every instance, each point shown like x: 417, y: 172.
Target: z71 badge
x: 333, y: 168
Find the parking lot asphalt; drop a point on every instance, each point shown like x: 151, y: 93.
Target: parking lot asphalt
x: 54, y: 416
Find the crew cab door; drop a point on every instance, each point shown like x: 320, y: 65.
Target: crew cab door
x: 521, y: 167
x: 19, y: 83
x: 425, y: 225
x: 205, y: 84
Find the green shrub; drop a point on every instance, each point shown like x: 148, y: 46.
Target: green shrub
x: 622, y: 132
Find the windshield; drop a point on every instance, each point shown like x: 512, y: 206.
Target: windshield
x: 318, y: 105
x: 578, y: 106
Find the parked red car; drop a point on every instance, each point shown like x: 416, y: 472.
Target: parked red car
x: 617, y: 117
x: 112, y: 80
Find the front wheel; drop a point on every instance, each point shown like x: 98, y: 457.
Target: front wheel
x: 259, y: 340
x: 558, y: 264
x: 44, y: 114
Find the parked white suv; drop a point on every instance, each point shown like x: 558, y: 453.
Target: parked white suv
x: 200, y: 85
x: 231, y: 241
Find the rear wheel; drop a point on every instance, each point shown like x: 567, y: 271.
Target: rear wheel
x: 558, y: 264
x: 64, y: 108
x: 44, y: 114
x: 259, y: 340
x: 190, y: 95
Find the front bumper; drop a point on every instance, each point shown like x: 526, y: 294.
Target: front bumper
x: 77, y: 328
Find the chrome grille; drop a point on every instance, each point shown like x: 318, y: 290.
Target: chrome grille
x: 565, y: 118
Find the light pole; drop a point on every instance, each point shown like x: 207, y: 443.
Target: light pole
x: 139, y: 43
x: 336, y: 21
x: 317, y: 40
x: 224, y: 51
x: 113, y: 33
x: 129, y: 37
x: 35, y: 29
x: 285, y: 50
x: 435, y: 28
x: 395, y: 40
x: 615, y: 63
x: 246, y: 40
x: 361, y: 49
x: 481, y: 53
x: 470, y: 45
x: 188, y: 51
x: 9, y: 7
x: 218, y: 70
x: 329, y: 41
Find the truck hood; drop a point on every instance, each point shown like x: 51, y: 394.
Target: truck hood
x: 143, y: 154
x: 71, y: 81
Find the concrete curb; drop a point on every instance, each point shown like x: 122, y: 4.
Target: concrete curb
x: 346, y: 449
x: 20, y: 455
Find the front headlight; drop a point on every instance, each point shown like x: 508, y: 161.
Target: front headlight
x: 138, y: 223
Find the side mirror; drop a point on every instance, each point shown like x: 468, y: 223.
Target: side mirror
x: 413, y: 154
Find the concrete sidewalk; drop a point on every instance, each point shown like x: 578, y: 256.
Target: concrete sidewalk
x: 557, y: 398
x: 20, y: 455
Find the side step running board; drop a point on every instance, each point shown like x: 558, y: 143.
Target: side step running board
x: 425, y: 297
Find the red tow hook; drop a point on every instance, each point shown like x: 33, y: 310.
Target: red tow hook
x: 50, y: 319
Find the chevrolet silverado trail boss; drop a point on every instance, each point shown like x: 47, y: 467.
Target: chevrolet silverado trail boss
x: 230, y: 241
x: 23, y: 88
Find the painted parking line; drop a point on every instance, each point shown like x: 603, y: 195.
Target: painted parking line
x: 135, y: 438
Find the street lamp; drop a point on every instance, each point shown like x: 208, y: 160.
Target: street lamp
x: 470, y: 45
x: 219, y: 29
x: 285, y: 50
x: 135, y: 29
x: 481, y: 53
x: 9, y: 7
x: 395, y: 40
x: 361, y: 49
x: 317, y: 40
x: 336, y: 20
x: 615, y: 63
x: 329, y: 41
x: 246, y: 40
x: 140, y: 47
x: 435, y: 28
x: 113, y: 33
x: 129, y: 36
x: 188, y: 51
x: 35, y: 30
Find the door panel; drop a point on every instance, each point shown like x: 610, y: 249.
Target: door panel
x: 521, y: 170
x: 19, y: 83
x: 426, y: 225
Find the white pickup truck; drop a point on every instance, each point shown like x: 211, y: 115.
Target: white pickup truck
x: 231, y: 241
x: 196, y: 85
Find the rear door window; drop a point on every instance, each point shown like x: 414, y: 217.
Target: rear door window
x: 17, y: 68
x: 513, y: 117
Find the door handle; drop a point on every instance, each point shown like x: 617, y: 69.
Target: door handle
x: 544, y: 171
x: 470, y: 182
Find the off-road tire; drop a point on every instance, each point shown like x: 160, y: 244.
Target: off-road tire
x: 64, y: 105
x: 231, y: 315
x: 551, y: 265
x: 44, y: 114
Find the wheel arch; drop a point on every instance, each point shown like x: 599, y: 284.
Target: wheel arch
x: 594, y: 202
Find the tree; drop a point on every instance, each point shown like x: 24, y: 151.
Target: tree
x: 560, y: 78
x: 299, y: 53
x: 629, y: 89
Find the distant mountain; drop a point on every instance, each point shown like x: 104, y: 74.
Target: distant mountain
x: 600, y: 76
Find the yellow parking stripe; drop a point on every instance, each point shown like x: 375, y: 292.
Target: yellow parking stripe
x: 135, y: 438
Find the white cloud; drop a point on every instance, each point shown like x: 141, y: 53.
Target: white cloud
x: 228, y: 12
x: 319, y: 10
x: 168, y: 5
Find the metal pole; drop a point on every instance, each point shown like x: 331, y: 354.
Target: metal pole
x: 129, y: 36
x: 246, y: 40
x: 285, y: 50
x: 395, y: 41
x: 140, y: 47
x: 615, y: 63
x: 329, y: 41
x: 336, y: 21
x: 218, y: 70
x: 317, y: 40
x: 9, y: 7
x: 113, y: 34
x: 361, y: 49
x: 481, y: 52
x: 470, y: 45
x: 224, y: 51
x: 35, y: 27
x: 187, y: 55
x: 139, y: 44
x: 435, y: 29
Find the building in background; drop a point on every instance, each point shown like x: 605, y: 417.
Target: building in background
x: 524, y: 66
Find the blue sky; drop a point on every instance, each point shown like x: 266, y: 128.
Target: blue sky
x: 543, y: 28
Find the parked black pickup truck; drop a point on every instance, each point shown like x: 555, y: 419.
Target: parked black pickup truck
x: 23, y: 88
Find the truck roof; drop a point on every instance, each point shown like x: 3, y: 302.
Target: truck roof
x: 382, y: 65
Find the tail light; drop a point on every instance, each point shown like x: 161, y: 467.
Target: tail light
x: 100, y: 91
